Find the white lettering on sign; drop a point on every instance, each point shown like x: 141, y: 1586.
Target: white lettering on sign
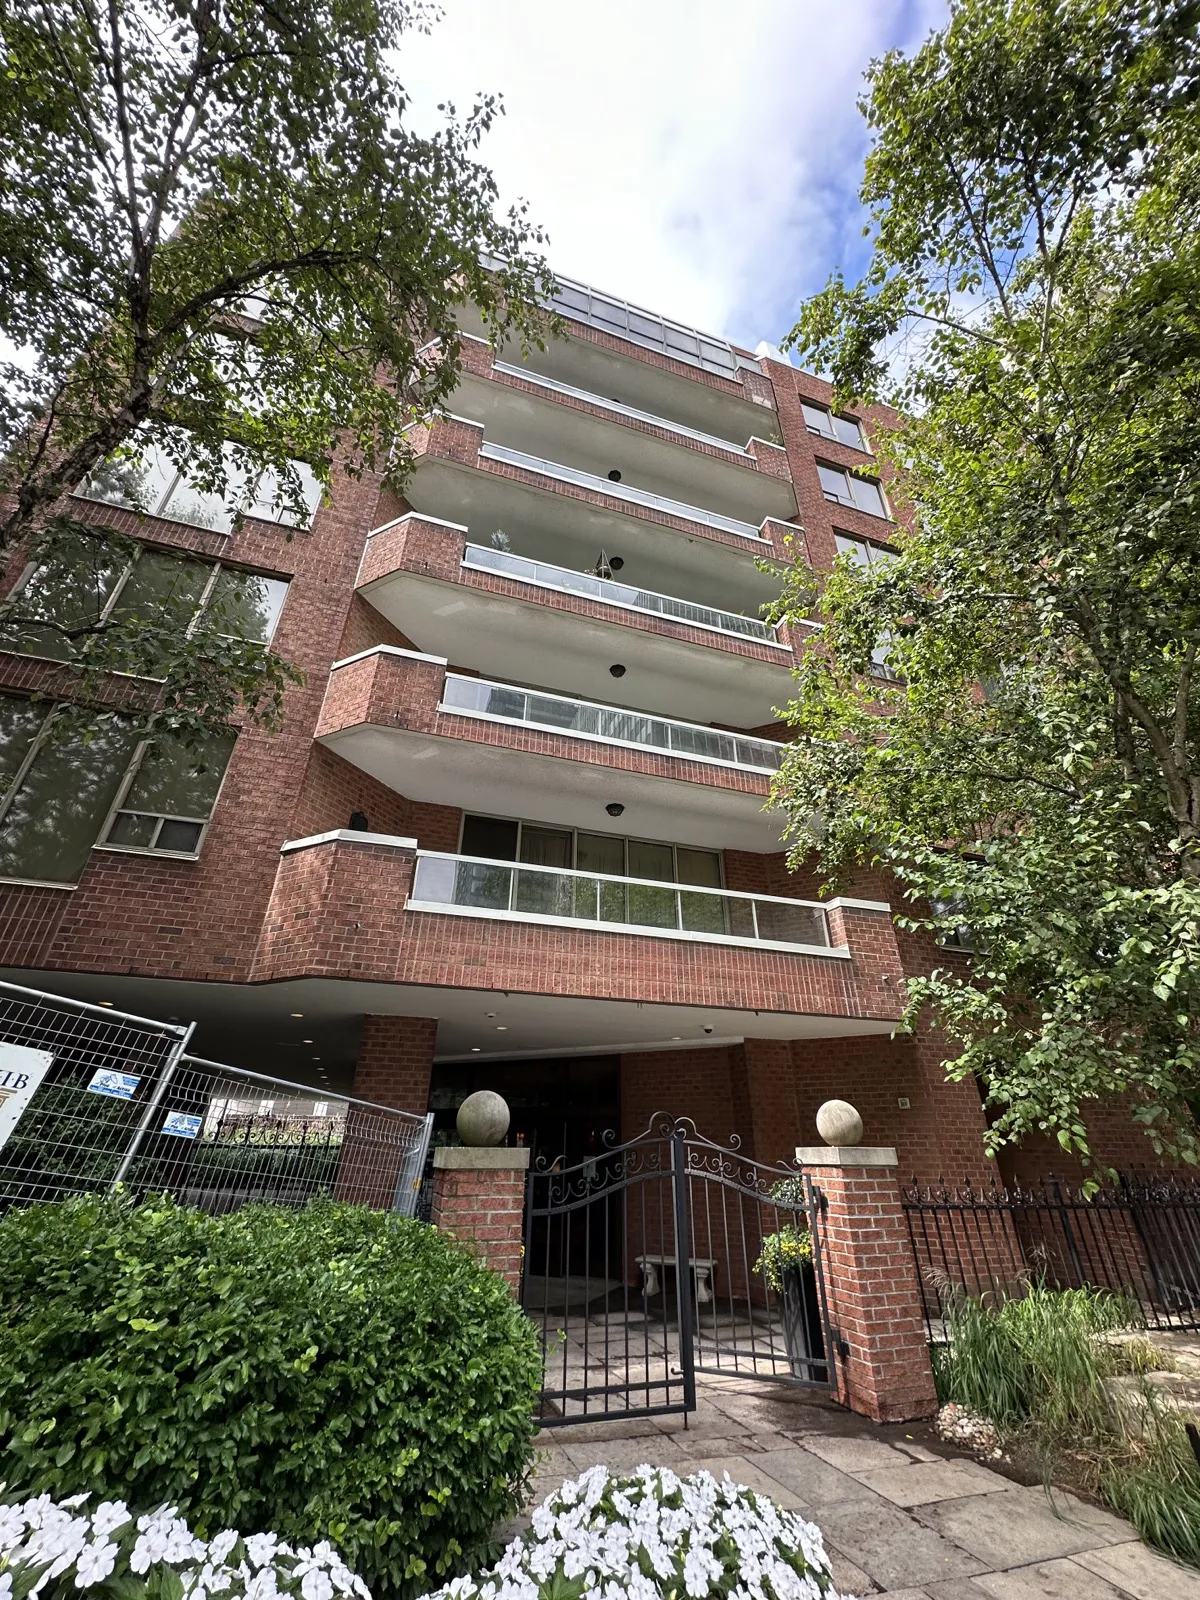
x: 21, y: 1071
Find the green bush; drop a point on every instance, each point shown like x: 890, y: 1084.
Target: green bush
x: 329, y: 1373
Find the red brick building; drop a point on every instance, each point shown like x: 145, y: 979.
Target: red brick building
x: 513, y: 832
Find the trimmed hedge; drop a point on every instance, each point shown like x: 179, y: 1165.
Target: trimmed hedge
x: 327, y: 1373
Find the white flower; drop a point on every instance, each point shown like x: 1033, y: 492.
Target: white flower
x: 221, y: 1544
x: 261, y: 1547
x: 95, y: 1562
x: 6, y: 1586
x: 12, y: 1529
x: 316, y: 1585
x: 263, y: 1585
x: 110, y: 1515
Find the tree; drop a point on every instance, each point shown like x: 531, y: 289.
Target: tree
x: 223, y: 252
x: 1032, y: 308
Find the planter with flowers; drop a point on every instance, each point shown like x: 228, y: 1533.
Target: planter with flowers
x: 786, y: 1262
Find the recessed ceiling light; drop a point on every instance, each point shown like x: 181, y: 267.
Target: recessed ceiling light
x: 676, y: 1038
x: 308, y: 1041
x: 475, y: 1049
x: 615, y: 475
x: 501, y: 1027
x: 106, y: 1002
x: 490, y: 1015
x: 297, y: 1013
x: 316, y: 1058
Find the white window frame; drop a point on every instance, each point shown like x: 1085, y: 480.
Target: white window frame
x: 831, y: 432
x: 161, y: 507
x: 118, y: 805
x: 850, y: 502
x: 215, y: 570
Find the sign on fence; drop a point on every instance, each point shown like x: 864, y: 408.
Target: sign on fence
x: 21, y: 1072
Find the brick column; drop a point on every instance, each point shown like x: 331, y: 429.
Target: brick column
x: 395, y: 1059
x: 479, y: 1197
x: 883, y: 1368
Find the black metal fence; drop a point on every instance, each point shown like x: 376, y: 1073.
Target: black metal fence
x: 1138, y: 1237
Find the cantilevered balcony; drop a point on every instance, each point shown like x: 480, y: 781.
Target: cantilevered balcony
x: 440, y: 736
x: 552, y: 511
x: 742, y: 481
x: 509, y: 616
x: 650, y: 363
x: 513, y: 891
x: 518, y: 960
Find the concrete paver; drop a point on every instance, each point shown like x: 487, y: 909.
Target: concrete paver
x: 862, y: 1454
x: 924, y: 1482
x: 1048, y: 1580
x: 1021, y: 1526
x: 1141, y: 1573
x: 898, y: 1520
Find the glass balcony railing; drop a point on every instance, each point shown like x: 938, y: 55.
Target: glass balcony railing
x: 483, y: 558
x: 619, y: 491
x: 621, y: 410
x: 631, y: 905
x: 611, y: 724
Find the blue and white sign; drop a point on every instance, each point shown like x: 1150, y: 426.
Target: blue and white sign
x: 120, y: 1085
x: 182, y: 1125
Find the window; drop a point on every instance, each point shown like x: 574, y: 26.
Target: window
x: 151, y: 483
x: 75, y: 588
x: 60, y: 794
x: 169, y: 797
x: 862, y: 551
x: 846, y: 430
x: 848, y: 489
x: 959, y: 937
x: 498, y: 839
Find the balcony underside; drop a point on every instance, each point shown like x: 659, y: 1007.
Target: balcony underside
x: 531, y: 641
x: 253, y: 1026
x: 635, y: 379
x: 550, y: 526
x: 503, y: 781
x: 546, y: 427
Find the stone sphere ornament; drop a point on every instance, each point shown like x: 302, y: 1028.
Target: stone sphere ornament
x: 483, y: 1118
x: 839, y: 1123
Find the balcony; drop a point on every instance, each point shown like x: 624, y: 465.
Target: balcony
x: 649, y: 363
x: 444, y: 738
x: 568, y: 517
x: 614, y: 725
x: 516, y: 961
x: 743, y: 481
x: 510, y: 616
x: 512, y: 891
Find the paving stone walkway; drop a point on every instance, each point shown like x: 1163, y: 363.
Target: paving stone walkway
x: 898, y: 1518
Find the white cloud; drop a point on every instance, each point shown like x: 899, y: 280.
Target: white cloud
x: 696, y: 156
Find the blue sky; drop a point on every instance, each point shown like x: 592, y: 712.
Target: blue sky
x: 698, y: 156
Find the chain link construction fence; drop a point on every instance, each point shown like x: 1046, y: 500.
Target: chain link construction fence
x: 92, y: 1097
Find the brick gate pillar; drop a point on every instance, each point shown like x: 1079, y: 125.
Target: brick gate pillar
x: 874, y: 1299
x: 479, y: 1198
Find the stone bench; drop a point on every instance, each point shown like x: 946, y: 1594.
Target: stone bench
x: 702, y: 1267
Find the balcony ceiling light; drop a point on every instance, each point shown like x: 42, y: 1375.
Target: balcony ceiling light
x: 614, y: 476
x: 617, y: 670
x: 614, y: 808
x: 616, y: 563
x: 475, y: 1049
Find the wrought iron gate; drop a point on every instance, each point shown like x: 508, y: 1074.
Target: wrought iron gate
x: 666, y: 1256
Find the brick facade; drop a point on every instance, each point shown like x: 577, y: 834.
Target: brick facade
x: 335, y: 913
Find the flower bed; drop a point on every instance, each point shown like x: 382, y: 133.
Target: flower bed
x: 647, y: 1536
x: 653, y: 1535
x: 52, y: 1549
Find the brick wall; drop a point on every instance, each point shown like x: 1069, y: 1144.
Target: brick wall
x: 485, y: 1210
